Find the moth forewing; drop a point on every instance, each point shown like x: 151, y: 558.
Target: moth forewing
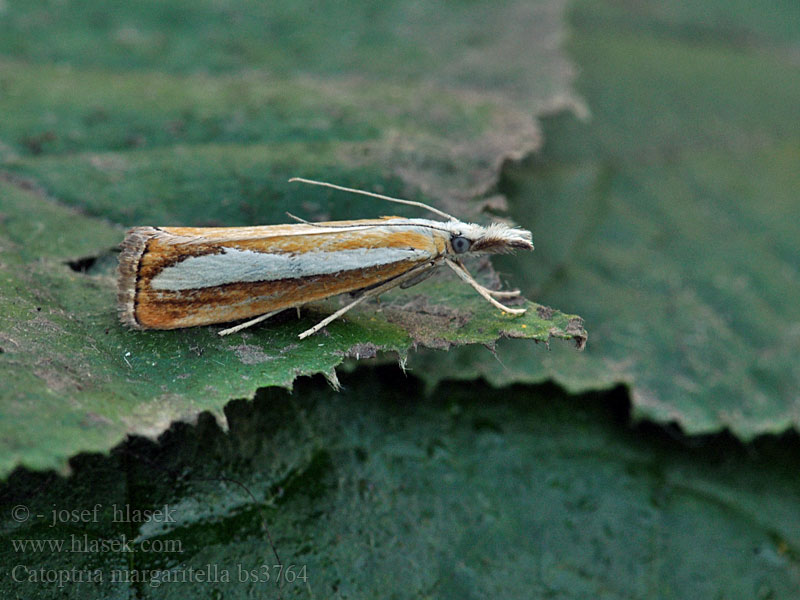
x: 182, y: 277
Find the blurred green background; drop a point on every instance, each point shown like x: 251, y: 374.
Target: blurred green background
x: 651, y: 148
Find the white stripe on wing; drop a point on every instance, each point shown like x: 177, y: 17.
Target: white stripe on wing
x: 240, y: 266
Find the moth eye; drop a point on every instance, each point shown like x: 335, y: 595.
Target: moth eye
x: 460, y: 244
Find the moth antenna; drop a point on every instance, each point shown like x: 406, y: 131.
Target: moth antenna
x: 374, y: 195
x: 296, y: 218
x: 304, y: 222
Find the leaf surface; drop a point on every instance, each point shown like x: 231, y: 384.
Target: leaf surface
x: 180, y: 113
x: 681, y: 197
x: 379, y: 491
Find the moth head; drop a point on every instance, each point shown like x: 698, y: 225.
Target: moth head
x: 497, y: 238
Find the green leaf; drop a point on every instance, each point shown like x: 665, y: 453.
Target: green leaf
x: 439, y: 95
x: 74, y: 371
x: 382, y: 493
x: 681, y: 196
x: 114, y: 117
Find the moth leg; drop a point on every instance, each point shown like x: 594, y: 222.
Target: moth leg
x: 503, y: 294
x: 330, y: 318
x: 417, y: 279
x: 249, y: 323
x: 370, y: 293
x: 494, y: 293
x: 483, y: 291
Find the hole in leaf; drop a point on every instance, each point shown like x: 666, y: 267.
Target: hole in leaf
x: 102, y: 264
x: 82, y: 265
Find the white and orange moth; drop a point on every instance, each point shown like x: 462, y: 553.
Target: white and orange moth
x: 173, y: 277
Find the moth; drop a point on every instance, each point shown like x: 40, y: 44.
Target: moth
x: 173, y: 277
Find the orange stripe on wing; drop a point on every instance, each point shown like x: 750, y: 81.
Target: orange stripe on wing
x: 163, y: 250
x: 147, y: 251
x: 159, y: 309
x: 254, y: 232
